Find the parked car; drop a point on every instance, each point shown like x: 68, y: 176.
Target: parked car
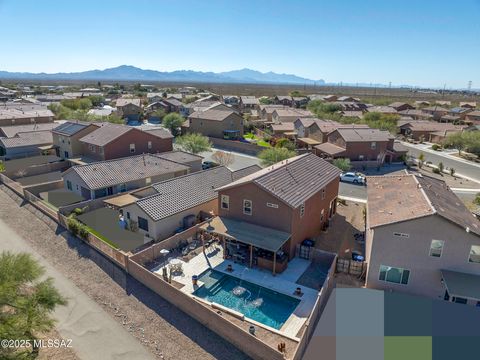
x: 352, y: 177
x: 208, y: 164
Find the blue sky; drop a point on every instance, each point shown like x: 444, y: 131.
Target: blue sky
x: 426, y: 43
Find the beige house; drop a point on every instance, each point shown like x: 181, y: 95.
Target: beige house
x: 66, y: 138
x: 421, y: 239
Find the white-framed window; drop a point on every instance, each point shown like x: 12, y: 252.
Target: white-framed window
x: 69, y: 185
x: 149, y: 145
x: 394, y: 275
x: 474, y: 256
x: 247, y: 207
x: 132, y: 148
x: 373, y: 145
x: 323, y: 193
x: 302, y: 209
x: 399, y: 234
x: 360, y: 157
x: 225, y: 202
x: 148, y: 180
x: 436, y: 248
x: 272, y: 205
x: 91, y: 147
x: 322, y: 215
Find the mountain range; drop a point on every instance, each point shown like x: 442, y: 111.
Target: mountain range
x: 132, y: 73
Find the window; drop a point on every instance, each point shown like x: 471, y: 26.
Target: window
x: 100, y: 193
x: 474, y: 254
x: 148, y: 180
x: 91, y: 147
x: 132, y: 148
x: 323, y: 193
x: 459, y: 300
x: 373, y: 145
x: 142, y: 223
x: 271, y: 205
x: 360, y: 157
x: 247, y: 207
x: 436, y: 248
x: 128, y: 215
x: 302, y: 209
x: 401, y: 234
x: 69, y: 185
x: 122, y: 187
x: 394, y: 275
x: 322, y: 214
x: 225, y: 199
x: 149, y: 145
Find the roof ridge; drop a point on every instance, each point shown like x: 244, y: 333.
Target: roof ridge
x: 420, y: 187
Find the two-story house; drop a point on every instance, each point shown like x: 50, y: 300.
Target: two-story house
x: 129, y: 109
x: 358, y: 144
x: 223, y: 124
x: 421, y: 239
x: 66, y: 138
x: 281, y: 205
x: 112, y: 141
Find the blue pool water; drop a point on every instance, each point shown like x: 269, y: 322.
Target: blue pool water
x: 255, y: 302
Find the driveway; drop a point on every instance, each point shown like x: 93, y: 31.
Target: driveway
x: 94, y: 334
x: 462, y: 167
x: 240, y: 160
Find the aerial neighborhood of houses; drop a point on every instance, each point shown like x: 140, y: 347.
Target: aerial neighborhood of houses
x: 246, y: 211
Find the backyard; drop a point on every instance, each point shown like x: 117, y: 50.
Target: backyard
x: 256, y: 140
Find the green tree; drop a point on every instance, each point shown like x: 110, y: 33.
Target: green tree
x: 285, y: 143
x: 343, y: 164
x: 421, y: 160
x: 476, y: 201
x: 26, y: 301
x: 273, y: 155
x: 2, y: 166
x: 457, y: 141
x: 441, y: 167
x: 265, y: 100
x: 160, y: 113
x: 96, y: 100
x: 172, y: 122
x: 296, y: 93
x: 194, y: 143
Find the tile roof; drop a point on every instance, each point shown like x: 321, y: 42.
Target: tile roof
x: 11, y: 131
x: 293, y: 181
x: 430, y: 126
x: 101, y: 174
x: 382, y: 109
x: 215, y: 115
x: 105, y: 134
x: 249, y: 100
x: 160, y: 132
x: 363, y: 134
x: 329, y: 148
x: 36, y: 138
x: 125, y: 101
x: 184, y: 192
x: 238, y: 174
x: 179, y: 156
x: 396, y: 198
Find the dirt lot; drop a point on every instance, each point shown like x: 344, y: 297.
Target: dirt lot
x: 339, y: 237
x: 166, y: 331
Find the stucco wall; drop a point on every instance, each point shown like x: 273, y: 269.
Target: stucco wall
x: 412, y: 253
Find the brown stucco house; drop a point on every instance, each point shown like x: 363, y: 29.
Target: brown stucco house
x: 281, y: 206
x: 421, y: 239
x: 421, y: 129
x: 129, y: 108
x: 223, y: 124
x: 112, y: 141
x: 358, y: 144
x: 400, y: 106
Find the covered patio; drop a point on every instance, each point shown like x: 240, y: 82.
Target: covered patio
x: 248, y: 243
x: 461, y: 287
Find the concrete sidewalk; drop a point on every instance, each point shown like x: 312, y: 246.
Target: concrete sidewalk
x: 95, y: 335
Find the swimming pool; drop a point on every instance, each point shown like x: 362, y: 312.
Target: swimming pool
x: 255, y: 302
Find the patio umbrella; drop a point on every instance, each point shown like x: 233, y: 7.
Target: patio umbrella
x: 164, y: 252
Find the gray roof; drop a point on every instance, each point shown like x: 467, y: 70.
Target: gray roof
x: 179, y: 156
x: 293, y: 181
x: 462, y: 284
x: 70, y: 128
x: 11, y: 131
x: 105, y: 134
x: 238, y: 174
x: 36, y: 138
x: 101, y: 174
x: 447, y: 204
x: 160, y: 132
x: 216, y: 115
x: 184, y: 192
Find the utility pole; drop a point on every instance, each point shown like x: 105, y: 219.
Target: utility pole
x: 470, y: 86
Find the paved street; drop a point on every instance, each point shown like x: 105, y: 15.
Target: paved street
x: 462, y: 167
x: 94, y: 334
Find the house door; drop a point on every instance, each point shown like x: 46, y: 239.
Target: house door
x: 65, y: 153
x: 110, y: 190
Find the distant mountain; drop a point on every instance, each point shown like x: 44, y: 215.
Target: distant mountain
x: 132, y: 73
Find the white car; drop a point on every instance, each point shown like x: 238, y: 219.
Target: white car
x: 352, y: 177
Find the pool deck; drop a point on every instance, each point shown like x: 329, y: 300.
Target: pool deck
x: 284, y: 282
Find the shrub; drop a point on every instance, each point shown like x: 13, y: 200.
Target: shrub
x: 436, y: 171
x: 452, y: 171
x: 436, y: 147
x: 441, y: 167
x: 73, y: 225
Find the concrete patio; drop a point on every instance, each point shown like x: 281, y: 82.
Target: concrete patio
x: 285, y: 282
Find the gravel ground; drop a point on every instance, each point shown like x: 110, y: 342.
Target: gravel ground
x: 162, y: 328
